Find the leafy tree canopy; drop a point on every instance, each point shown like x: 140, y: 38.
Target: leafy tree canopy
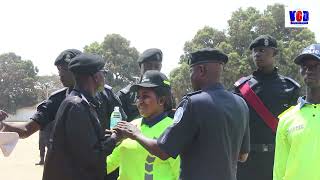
x: 244, y: 26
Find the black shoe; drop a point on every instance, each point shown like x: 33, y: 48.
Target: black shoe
x: 40, y: 163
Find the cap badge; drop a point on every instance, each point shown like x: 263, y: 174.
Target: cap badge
x: 145, y: 79
x: 266, y: 42
x: 67, y: 58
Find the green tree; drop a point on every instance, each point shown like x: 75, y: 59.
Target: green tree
x: 244, y: 26
x: 16, y: 82
x: 180, y: 81
x: 180, y: 78
x: 290, y: 40
x: 206, y: 37
x: 45, y: 85
x: 120, y: 57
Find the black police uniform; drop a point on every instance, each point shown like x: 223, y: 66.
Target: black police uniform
x: 277, y: 93
x: 107, y: 101
x: 44, y: 135
x: 210, y: 129
x: 128, y: 98
x: 45, y: 115
x: 78, y: 147
x: 47, y: 110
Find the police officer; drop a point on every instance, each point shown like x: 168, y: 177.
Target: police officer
x: 154, y: 94
x: 78, y: 145
x: 276, y: 93
x: 210, y: 131
x: 44, y: 135
x: 297, y: 148
x: 47, y: 110
x: 150, y: 59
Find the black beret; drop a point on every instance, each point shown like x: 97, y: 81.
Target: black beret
x: 207, y: 55
x: 151, y: 79
x: 66, y: 56
x: 152, y: 54
x: 86, y: 63
x: 264, y: 41
x: 312, y: 51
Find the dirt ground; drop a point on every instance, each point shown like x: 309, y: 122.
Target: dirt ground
x: 21, y: 163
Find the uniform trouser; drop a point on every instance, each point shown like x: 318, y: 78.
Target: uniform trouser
x: 259, y: 166
x: 42, y: 149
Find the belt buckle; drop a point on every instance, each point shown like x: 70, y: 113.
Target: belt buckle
x: 265, y: 148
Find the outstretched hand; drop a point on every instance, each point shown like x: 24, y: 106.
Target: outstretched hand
x: 128, y: 130
x: 117, y: 136
x: 3, y: 115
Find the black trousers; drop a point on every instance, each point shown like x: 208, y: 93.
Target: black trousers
x: 259, y: 166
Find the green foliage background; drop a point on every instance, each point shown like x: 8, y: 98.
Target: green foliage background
x: 20, y: 86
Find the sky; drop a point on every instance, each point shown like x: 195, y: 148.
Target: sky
x: 39, y: 30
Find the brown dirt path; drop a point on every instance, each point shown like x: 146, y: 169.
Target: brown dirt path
x: 20, y: 165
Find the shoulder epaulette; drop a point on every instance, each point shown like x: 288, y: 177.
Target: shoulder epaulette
x: 126, y: 90
x: 251, y: 79
x: 107, y: 87
x: 82, y: 99
x: 242, y: 81
x: 62, y: 90
x: 194, y: 93
x: 292, y: 81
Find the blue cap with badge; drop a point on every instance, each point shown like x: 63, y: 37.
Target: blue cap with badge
x: 312, y: 51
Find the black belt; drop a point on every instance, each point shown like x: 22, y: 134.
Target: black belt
x: 262, y: 147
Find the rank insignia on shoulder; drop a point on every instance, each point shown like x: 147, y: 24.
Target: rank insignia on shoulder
x: 241, y: 81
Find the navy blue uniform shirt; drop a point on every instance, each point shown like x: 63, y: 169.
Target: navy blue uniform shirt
x: 210, y: 129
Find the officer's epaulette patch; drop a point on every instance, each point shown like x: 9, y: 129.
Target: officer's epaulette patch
x: 193, y: 93
x: 126, y: 90
x: 62, y: 90
x: 292, y: 81
x: 242, y: 81
x: 107, y: 87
